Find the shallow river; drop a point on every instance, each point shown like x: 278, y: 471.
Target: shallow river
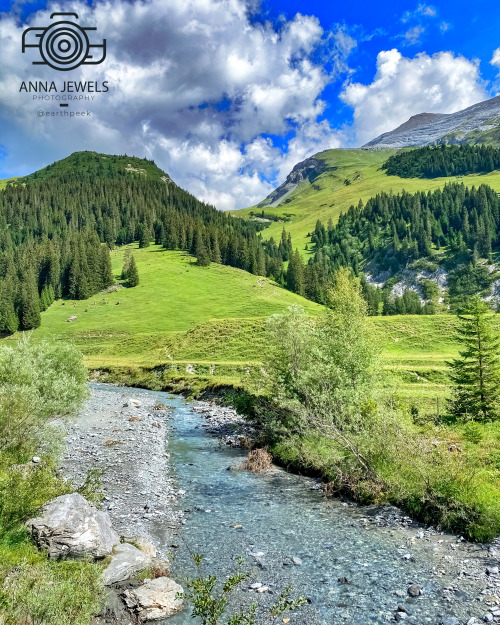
x: 351, y: 568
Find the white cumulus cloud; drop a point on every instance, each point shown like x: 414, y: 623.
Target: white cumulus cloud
x: 495, y: 60
x: 197, y: 85
x: 402, y: 87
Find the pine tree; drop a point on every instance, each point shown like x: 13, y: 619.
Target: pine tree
x: 132, y: 273
x: 30, y: 305
x: 106, y: 271
x: 216, y: 255
x: 295, y: 274
x: 127, y: 257
x: 201, y: 253
x: 9, y: 320
x: 476, y: 373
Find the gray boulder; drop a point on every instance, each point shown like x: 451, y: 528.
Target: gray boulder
x: 155, y: 600
x: 126, y: 561
x: 71, y: 527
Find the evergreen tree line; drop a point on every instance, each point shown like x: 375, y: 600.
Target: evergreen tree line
x: 443, y: 160
x: 36, y: 272
x: 392, y: 231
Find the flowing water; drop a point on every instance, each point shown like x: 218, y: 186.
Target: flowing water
x: 348, y: 566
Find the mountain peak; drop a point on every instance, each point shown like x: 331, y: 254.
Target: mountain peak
x: 476, y: 124
x: 99, y: 165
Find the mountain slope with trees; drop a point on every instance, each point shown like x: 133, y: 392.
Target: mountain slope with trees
x: 348, y: 176
x: 393, y: 232
x: 58, y: 225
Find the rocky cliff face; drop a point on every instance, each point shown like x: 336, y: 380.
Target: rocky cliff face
x: 309, y: 169
x: 478, y: 123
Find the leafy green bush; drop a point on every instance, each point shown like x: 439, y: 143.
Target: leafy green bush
x: 38, y: 381
x: 209, y: 598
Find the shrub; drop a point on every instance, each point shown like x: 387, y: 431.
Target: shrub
x: 258, y: 460
x: 473, y: 432
x: 38, y: 381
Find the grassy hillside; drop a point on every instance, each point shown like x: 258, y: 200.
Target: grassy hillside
x: 207, y: 323
x: 328, y: 195
x: 178, y: 311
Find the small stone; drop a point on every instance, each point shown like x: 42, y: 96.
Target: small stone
x: 492, y: 570
x: 399, y: 593
x: 256, y: 585
x: 488, y: 618
x: 36, y: 459
x: 263, y: 589
x: 401, y: 608
x: 296, y: 561
x: 401, y: 616
x: 414, y: 590
x: 451, y: 621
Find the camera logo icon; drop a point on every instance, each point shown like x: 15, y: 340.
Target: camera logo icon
x: 64, y: 45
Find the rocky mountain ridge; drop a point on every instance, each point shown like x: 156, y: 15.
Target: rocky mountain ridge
x: 309, y: 169
x: 476, y: 124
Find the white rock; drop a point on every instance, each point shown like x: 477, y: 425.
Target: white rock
x: 155, y: 600
x: 70, y: 526
x: 135, y: 403
x: 126, y: 561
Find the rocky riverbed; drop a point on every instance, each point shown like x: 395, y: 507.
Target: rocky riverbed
x: 126, y: 441
x: 165, y: 478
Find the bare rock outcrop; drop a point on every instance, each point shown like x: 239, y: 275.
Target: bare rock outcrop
x: 71, y: 527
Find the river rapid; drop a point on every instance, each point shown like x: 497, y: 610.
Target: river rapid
x: 167, y: 478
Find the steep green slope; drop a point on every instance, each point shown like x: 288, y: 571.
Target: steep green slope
x: 219, y: 308
x: 329, y: 195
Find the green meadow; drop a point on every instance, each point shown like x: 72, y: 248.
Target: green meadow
x: 206, y: 324
x: 329, y: 195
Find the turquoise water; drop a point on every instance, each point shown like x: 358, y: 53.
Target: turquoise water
x: 349, y: 568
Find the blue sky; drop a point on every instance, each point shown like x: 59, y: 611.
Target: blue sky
x: 227, y: 96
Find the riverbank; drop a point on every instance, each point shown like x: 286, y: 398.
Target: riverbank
x: 360, y: 564
x: 125, y: 440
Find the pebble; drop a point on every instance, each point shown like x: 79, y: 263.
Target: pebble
x: 296, y: 561
x: 451, y: 621
x: 36, y: 459
x: 414, y: 590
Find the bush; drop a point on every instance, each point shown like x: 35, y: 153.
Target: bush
x: 38, y: 381
x: 473, y: 432
x: 258, y: 460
